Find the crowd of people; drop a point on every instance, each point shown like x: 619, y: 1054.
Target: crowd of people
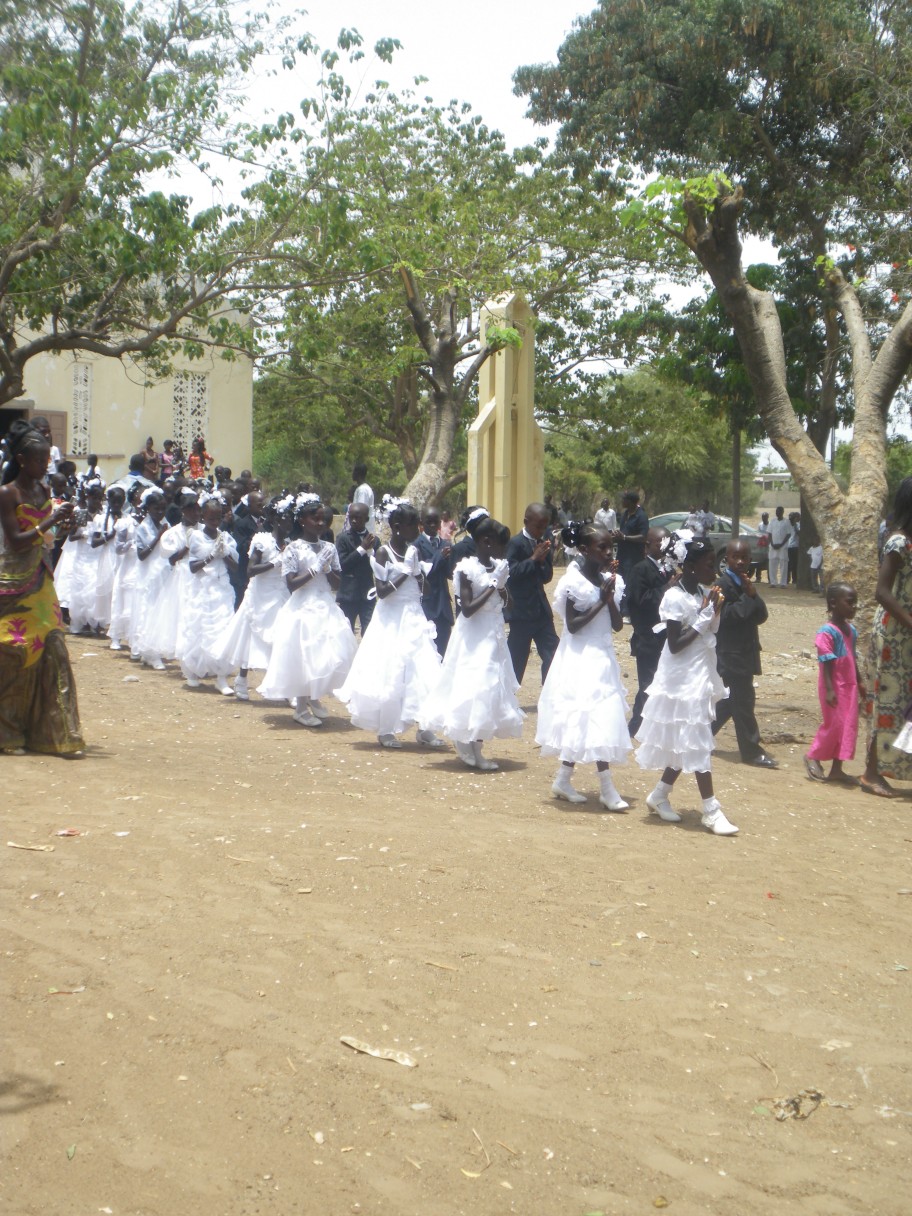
x: 222, y: 582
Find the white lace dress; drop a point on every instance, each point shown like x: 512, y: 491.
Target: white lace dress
x: 249, y: 639
x: 208, y: 609
x: 163, y: 634
x: 582, y: 708
x: 126, y: 565
x: 150, y: 574
x: 397, y: 664
x: 475, y: 696
x: 677, y: 721
x: 313, y: 645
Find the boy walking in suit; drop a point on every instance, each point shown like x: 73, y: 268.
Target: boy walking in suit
x: 528, y: 611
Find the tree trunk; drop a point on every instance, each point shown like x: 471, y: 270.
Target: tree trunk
x: 736, y: 480
x: 433, y: 468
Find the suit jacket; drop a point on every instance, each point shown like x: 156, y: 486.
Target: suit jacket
x: 738, y: 639
x: 645, y: 588
x: 527, y: 581
x: 436, y: 598
x: 357, y: 576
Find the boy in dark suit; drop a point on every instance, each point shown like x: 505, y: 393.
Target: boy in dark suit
x: 528, y: 611
x: 648, y: 582
x: 355, y: 547
x: 738, y: 654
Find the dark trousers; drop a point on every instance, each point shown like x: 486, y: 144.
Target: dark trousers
x: 647, y: 660
x: 792, y: 576
x: 354, y: 609
x: 739, y: 707
x: 519, y: 643
x: 444, y: 629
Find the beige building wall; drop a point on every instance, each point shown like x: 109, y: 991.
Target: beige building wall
x: 111, y: 407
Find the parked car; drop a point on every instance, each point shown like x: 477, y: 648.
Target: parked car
x: 719, y: 536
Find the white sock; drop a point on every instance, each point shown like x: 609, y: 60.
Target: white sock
x: 710, y: 805
x: 663, y: 789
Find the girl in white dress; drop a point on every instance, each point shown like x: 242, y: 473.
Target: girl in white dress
x: 397, y: 664
x: 103, y: 529
x: 582, y: 709
x: 313, y: 645
x: 676, y: 732
x: 126, y: 564
x: 208, y: 609
x: 164, y: 621
x: 475, y: 697
x: 152, y: 569
x: 249, y: 640
x: 84, y: 572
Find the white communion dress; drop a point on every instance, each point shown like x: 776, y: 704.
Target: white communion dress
x: 582, y: 709
x: 397, y: 665
x: 313, y: 645
x: 250, y: 635
x: 475, y: 696
x: 676, y: 731
x: 84, y: 578
x: 150, y: 574
x: 126, y: 564
x: 208, y: 609
x: 104, y: 525
x: 164, y: 621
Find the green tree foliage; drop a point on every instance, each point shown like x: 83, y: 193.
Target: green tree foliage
x: 96, y: 97
x: 781, y: 120
x: 643, y: 429
x: 422, y: 214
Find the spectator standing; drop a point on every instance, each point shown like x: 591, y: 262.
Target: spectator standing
x: 780, y: 531
x: 633, y: 526
x: 815, y: 554
x: 606, y: 517
x: 793, y: 542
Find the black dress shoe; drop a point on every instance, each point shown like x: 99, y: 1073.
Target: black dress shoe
x: 762, y: 761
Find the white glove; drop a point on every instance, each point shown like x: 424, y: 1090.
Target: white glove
x: 500, y: 573
x: 704, y: 621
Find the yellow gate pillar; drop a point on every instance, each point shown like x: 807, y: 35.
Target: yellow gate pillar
x: 506, y: 463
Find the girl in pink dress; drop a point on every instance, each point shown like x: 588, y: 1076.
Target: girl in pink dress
x: 839, y: 687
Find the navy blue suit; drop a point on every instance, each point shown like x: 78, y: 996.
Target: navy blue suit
x: 436, y: 598
x: 529, y: 612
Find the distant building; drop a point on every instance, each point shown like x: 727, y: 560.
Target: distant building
x: 95, y: 403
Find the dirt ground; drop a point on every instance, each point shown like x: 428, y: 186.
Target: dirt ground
x: 605, y: 1012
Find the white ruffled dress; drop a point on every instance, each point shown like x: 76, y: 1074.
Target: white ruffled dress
x: 397, y: 665
x: 150, y: 574
x: 313, y: 645
x: 126, y: 565
x: 582, y: 709
x: 250, y: 635
x: 164, y: 622
x: 475, y: 696
x: 104, y: 525
x: 83, y: 594
x: 676, y: 731
x: 209, y: 607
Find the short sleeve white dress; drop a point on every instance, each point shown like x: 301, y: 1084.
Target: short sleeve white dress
x: 475, y: 696
x: 397, y: 664
x: 164, y: 621
x: 582, y: 709
x: 150, y: 574
x: 676, y: 731
x: 313, y: 645
x: 208, y: 609
x: 125, y: 568
x: 249, y: 639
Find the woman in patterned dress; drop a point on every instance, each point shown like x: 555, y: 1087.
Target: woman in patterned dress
x: 38, y: 709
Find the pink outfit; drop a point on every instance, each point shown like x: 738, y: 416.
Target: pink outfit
x: 838, y: 733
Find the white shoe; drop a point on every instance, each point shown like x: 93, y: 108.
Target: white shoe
x: 466, y: 753
x: 241, y: 690
x: 304, y: 717
x: 614, y: 802
x: 318, y: 710
x: 115, y: 645
x: 427, y: 738
x: 390, y: 741
x: 157, y: 665
x: 562, y: 788
x: 192, y: 681
x: 482, y: 762
x: 662, y: 807
x: 714, y: 821
x: 223, y: 686
x: 134, y: 657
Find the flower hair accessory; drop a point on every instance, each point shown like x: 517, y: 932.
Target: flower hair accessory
x: 283, y: 505
x: 478, y: 513
x: 307, y: 501
x: 214, y: 496
x: 148, y: 493
x: 389, y: 503
x: 674, y: 546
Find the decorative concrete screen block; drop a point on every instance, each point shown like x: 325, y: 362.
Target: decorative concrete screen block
x: 190, y: 417
x: 81, y: 413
